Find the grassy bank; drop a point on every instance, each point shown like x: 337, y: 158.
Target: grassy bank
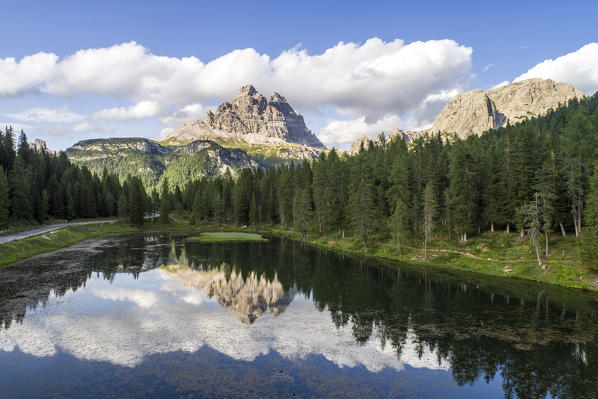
x: 21, y: 249
x: 496, y: 254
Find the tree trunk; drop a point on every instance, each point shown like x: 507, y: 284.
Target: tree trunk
x: 563, y: 229
x: 522, y: 233
x: 537, y: 244
x: 508, y: 228
x: 575, y: 224
x: 492, y: 227
x: 425, y: 249
x: 546, y: 251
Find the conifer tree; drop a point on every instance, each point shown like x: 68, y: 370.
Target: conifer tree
x: 429, y: 208
x: 20, y: 192
x: 4, y: 199
x: 164, y: 202
x: 136, y: 201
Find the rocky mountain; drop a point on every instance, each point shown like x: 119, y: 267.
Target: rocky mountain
x: 151, y: 161
x: 476, y: 111
x: 251, y: 118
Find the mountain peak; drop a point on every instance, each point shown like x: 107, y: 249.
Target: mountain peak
x: 250, y: 117
x: 247, y: 90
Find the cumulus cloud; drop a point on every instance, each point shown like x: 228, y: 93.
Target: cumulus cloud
x: 371, y: 80
x: 143, y: 109
x: 578, y: 68
x: 188, y: 113
x: 346, y: 131
x: 42, y: 114
x: 88, y: 127
x: 28, y: 74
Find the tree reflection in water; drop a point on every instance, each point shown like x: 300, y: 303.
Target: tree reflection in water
x: 541, y: 339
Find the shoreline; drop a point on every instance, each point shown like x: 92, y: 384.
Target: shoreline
x: 560, y: 273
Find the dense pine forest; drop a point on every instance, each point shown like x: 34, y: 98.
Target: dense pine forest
x: 536, y: 178
x: 37, y: 185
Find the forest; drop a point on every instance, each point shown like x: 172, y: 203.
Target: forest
x: 536, y: 178
x: 37, y: 185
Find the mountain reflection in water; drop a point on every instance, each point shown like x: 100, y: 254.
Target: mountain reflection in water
x: 123, y: 301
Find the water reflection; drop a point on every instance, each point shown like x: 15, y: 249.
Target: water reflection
x: 123, y: 301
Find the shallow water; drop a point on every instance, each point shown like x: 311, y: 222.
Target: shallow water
x: 154, y: 315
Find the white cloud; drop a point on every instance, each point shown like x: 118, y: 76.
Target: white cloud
x: 488, y: 67
x: 27, y: 74
x: 143, y: 109
x: 346, y: 131
x: 42, y: 114
x: 370, y: 80
x: 15, y: 126
x: 580, y: 68
x: 88, y: 127
x: 191, y: 112
x: 496, y: 86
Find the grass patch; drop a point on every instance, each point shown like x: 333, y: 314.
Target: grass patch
x: 228, y: 237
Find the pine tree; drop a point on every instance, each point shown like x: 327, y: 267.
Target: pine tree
x: 302, y: 211
x: 4, y: 199
x: 429, y: 207
x: 361, y: 200
x: 589, y: 241
x: 136, y: 202
x: 20, y: 192
x: 531, y: 216
x: 399, y: 223
x: 165, y: 207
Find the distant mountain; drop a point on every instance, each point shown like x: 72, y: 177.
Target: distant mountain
x: 250, y: 118
x: 248, y: 131
x: 152, y: 161
x: 476, y: 111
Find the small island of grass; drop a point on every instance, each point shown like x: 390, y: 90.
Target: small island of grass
x: 228, y: 237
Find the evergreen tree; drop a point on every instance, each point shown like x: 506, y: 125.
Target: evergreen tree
x: 361, y: 200
x: 398, y: 222
x: 20, y: 192
x: 4, y: 199
x: 302, y: 211
x: 136, y: 201
x: 429, y: 207
x: 165, y: 207
x: 531, y: 215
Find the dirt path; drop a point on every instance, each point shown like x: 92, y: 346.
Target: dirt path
x: 45, y: 229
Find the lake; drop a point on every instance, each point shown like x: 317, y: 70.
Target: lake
x: 158, y: 316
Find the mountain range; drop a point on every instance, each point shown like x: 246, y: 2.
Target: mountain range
x: 250, y: 130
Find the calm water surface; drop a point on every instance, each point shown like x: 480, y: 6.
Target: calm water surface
x: 156, y: 316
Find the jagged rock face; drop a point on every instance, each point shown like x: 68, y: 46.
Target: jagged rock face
x: 247, y: 297
x: 476, y: 111
x: 250, y: 117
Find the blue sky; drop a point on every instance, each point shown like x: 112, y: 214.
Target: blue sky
x: 488, y: 43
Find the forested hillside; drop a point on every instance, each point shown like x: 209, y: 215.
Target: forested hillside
x: 36, y: 185
x: 536, y: 177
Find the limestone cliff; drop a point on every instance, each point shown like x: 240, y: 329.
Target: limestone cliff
x: 251, y: 118
x: 476, y: 111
